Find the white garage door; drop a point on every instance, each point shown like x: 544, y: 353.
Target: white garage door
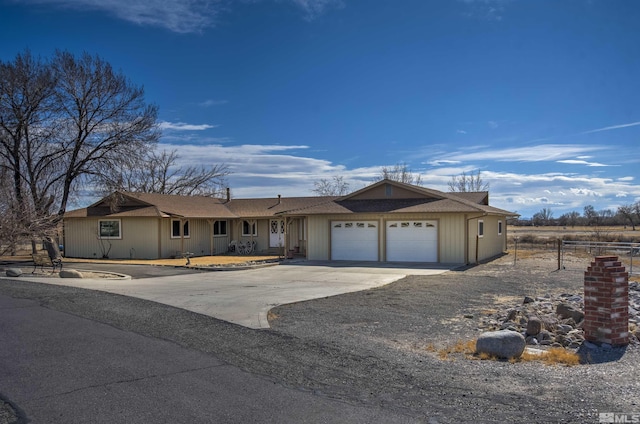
x: 354, y: 241
x: 412, y: 241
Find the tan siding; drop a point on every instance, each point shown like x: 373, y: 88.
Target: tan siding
x: 138, y: 239
x: 318, y: 238
x: 451, y: 238
x: 198, y: 242
x: 234, y: 228
x: 220, y: 245
x: 491, y: 243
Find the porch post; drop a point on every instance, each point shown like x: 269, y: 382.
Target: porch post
x: 181, y: 236
x: 211, y: 248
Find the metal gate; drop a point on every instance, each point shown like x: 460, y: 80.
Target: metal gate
x: 628, y: 253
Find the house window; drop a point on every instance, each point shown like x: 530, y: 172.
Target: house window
x: 249, y: 229
x: 220, y: 228
x: 388, y: 190
x: 480, y: 228
x: 175, y: 228
x: 499, y: 228
x: 109, y: 229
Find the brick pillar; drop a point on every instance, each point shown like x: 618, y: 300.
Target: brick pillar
x: 606, y: 302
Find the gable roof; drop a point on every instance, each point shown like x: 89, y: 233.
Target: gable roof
x: 385, y: 196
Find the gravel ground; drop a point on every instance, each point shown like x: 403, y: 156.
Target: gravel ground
x: 370, y: 348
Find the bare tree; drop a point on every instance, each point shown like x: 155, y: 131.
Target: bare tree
x: 336, y: 186
x: 591, y: 216
x: 626, y: 211
x: 468, y: 182
x: 159, y: 172
x: 636, y: 210
x: 399, y: 172
x: 106, y: 118
x: 26, y: 159
x: 61, y: 121
x: 569, y: 218
x: 544, y: 217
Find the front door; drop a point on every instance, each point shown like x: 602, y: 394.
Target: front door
x: 276, y: 233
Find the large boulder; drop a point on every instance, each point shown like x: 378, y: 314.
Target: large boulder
x: 70, y: 273
x: 13, y: 272
x: 502, y: 344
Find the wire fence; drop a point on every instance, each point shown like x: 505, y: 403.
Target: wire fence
x: 571, y: 252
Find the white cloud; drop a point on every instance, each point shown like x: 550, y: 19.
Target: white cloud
x: 291, y: 170
x: 537, y: 153
x: 585, y: 192
x: 212, y: 102
x: 443, y: 162
x: 461, y: 131
x: 613, y: 127
x: 181, y: 126
x: 314, y: 8
x: 181, y: 16
x: 490, y: 10
x: 581, y: 162
x: 492, y: 124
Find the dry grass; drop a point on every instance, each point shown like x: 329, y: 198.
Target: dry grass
x: 272, y: 316
x: 553, y: 356
x: 466, y: 347
x: 198, y: 261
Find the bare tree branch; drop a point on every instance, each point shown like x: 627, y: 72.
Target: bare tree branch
x: 62, y: 121
x: 336, y: 186
x: 399, y: 172
x: 159, y: 172
x: 468, y: 183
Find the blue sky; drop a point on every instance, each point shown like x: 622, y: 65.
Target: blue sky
x: 540, y: 96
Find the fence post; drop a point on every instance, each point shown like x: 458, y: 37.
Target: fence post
x: 559, y: 247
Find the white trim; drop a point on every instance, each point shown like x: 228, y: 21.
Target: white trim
x: 118, y: 237
x: 255, y: 228
x: 226, y: 226
x: 185, y: 225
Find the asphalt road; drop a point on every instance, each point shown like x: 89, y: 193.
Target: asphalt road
x: 58, y: 367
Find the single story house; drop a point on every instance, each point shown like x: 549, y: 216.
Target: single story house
x: 385, y: 221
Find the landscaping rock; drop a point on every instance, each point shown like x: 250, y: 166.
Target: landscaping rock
x: 502, y: 344
x: 565, y: 310
x: 563, y: 328
x: 534, y: 326
x: 13, y: 272
x: 70, y: 273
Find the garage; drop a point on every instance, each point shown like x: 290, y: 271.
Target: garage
x: 354, y: 241
x: 412, y: 241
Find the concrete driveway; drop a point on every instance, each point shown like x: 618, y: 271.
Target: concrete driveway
x: 245, y: 297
